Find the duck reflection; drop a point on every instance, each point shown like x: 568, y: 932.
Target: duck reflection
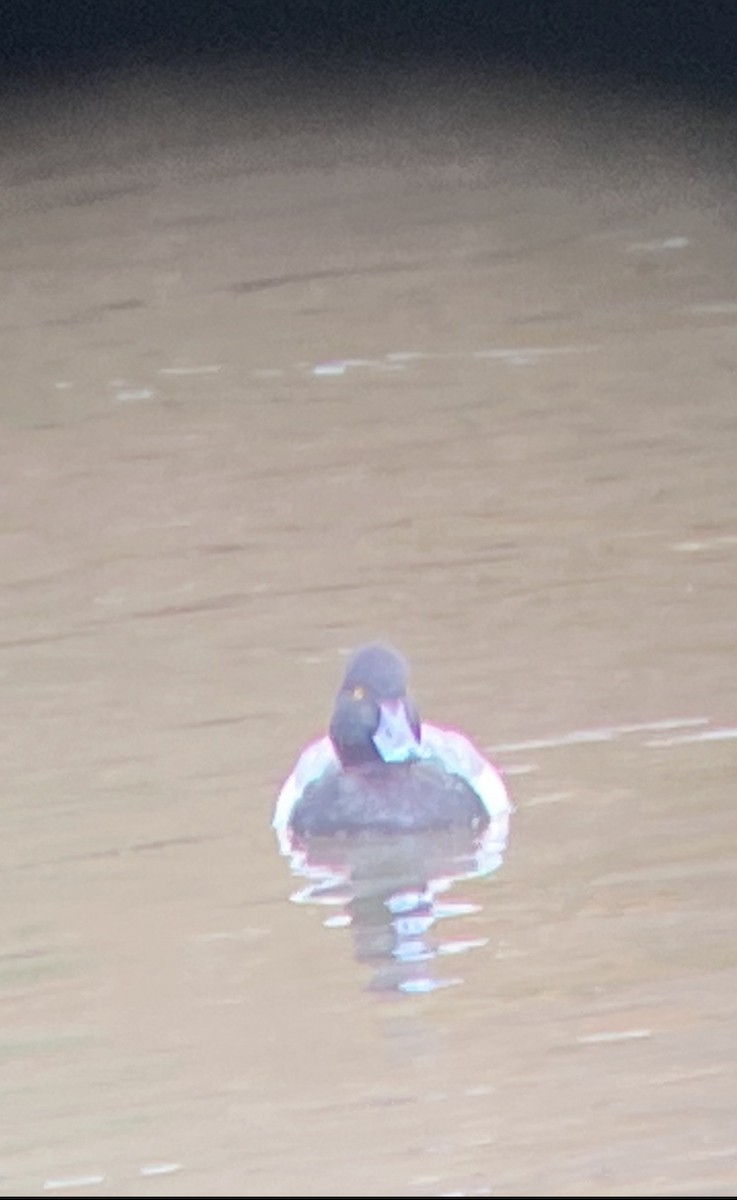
x: 392, y: 892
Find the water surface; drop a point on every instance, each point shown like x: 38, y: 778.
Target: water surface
x: 448, y: 366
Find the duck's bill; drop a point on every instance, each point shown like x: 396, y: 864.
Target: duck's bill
x: 395, y: 739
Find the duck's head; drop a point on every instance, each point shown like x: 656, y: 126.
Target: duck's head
x: 374, y: 720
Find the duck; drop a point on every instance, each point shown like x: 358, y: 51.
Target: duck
x: 382, y: 770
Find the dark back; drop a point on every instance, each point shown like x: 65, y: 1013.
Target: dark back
x: 387, y: 798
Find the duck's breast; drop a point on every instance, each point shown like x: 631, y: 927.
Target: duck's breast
x: 387, y: 798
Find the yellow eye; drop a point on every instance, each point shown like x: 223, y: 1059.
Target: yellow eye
x: 358, y: 693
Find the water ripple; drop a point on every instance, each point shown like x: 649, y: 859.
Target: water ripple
x: 391, y: 892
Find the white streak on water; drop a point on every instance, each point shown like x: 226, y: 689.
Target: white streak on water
x: 419, y: 987
x: 707, y: 544
x: 209, y: 370
x: 128, y: 394
x: 76, y: 1181
x: 670, y: 723
x: 563, y: 739
x: 343, y: 921
x: 399, y: 359
x: 671, y: 243
x: 625, y: 1035
x: 550, y: 798
x: 334, y: 368
x: 708, y: 735
x: 606, y: 733
x: 460, y: 947
x: 529, y: 353
x: 455, y: 908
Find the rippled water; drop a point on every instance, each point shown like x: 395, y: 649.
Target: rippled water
x: 392, y: 891
x: 447, y: 366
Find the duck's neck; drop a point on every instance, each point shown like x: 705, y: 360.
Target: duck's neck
x: 351, y: 757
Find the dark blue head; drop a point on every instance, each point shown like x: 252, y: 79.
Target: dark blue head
x: 374, y: 720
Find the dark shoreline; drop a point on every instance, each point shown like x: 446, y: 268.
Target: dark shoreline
x: 684, y: 45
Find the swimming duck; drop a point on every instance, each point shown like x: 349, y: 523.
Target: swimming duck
x: 380, y: 769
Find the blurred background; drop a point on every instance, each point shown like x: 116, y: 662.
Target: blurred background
x: 330, y: 321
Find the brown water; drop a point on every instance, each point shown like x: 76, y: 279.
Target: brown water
x: 536, y: 500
